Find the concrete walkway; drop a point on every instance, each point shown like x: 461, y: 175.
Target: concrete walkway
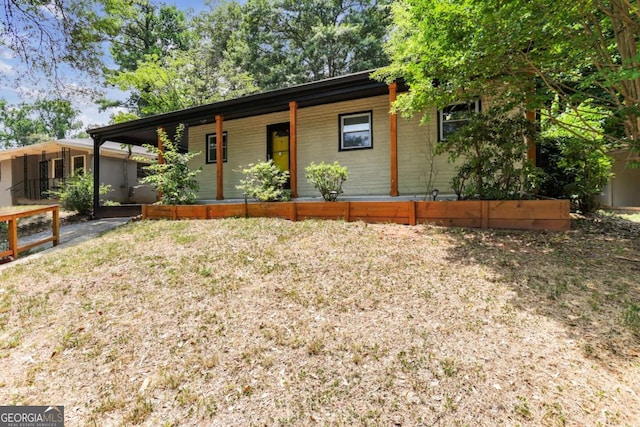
x: 71, y: 234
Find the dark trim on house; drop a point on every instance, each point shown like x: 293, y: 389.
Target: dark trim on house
x: 340, y: 133
x: 345, y: 88
x: 97, y: 142
x: 225, y: 147
x: 122, y: 211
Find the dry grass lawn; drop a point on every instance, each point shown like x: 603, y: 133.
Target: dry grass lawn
x: 269, y: 322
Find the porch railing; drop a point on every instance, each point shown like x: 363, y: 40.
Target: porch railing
x: 36, y: 189
x: 11, y: 219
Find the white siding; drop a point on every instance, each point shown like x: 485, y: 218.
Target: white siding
x: 318, y: 140
x: 246, y: 143
x: 624, y: 188
x: 416, y: 144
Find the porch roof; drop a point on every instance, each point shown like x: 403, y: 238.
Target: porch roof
x: 108, y: 149
x: 344, y: 88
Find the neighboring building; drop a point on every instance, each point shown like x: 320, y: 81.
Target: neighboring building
x: 624, y: 188
x: 346, y: 119
x: 28, y: 173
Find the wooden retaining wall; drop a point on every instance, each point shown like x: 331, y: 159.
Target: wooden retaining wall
x: 509, y: 214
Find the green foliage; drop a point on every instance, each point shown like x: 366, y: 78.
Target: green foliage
x: 57, y: 116
x: 26, y: 124
x: 286, y: 41
x: 18, y: 127
x: 146, y: 29
x: 77, y: 193
x: 43, y: 35
x: 525, y: 51
x: 575, y: 157
x: 327, y: 178
x: 146, y: 35
x: 236, y: 49
x: 265, y: 182
x: 591, y: 169
x: 575, y: 169
x: 122, y: 117
x: 173, y: 178
x: 177, y: 81
x: 493, y: 152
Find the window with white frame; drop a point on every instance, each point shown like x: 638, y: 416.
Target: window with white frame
x: 455, y: 116
x: 78, y: 164
x: 57, y: 168
x: 356, y: 131
x: 212, y: 154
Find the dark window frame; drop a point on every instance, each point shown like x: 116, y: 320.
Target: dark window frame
x: 208, y: 141
x: 55, y: 168
x: 341, y: 132
x: 74, y: 170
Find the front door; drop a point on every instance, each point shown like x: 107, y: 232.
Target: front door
x: 278, y: 145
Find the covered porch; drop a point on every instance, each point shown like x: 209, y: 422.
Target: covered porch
x: 289, y: 101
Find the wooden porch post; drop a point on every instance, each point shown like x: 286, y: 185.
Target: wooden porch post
x: 293, y: 147
x: 219, y: 158
x: 160, y: 154
x: 393, y: 119
x: 160, y: 145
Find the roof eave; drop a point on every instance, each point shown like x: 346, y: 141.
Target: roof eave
x: 314, y: 93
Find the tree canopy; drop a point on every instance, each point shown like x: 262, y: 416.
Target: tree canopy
x: 26, y: 124
x: 290, y: 41
x: 45, y: 35
x: 555, y: 56
x: 237, y: 48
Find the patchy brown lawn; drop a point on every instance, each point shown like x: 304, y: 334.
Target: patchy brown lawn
x: 269, y: 322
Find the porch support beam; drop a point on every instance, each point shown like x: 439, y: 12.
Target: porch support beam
x: 393, y: 140
x: 219, y: 158
x: 293, y: 148
x: 97, y: 143
x: 160, y: 130
x: 160, y: 145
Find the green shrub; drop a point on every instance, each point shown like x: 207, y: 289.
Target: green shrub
x: 493, y: 154
x: 328, y: 179
x: 77, y: 193
x: 576, y: 169
x: 575, y: 156
x: 173, y: 178
x: 265, y: 182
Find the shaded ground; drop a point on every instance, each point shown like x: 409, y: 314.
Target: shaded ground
x: 587, y: 279
x: 269, y: 322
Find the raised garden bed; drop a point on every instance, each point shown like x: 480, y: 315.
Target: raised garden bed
x: 509, y: 214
